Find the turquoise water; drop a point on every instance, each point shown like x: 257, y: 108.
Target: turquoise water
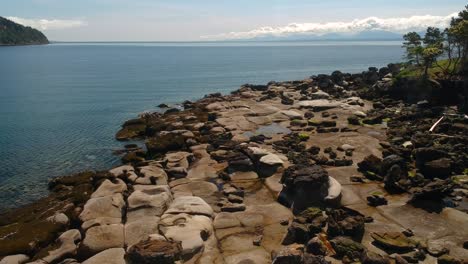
x: 61, y: 104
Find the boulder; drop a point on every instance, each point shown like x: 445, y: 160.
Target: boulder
x: 67, y: 245
x: 166, y: 141
x: 225, y: 220
x: 108, y: 187
x: 189, y: 229
x: 107, y: 206
x: 109, y: 256
x: 289, y: 254
x: 345, y: 222
x: 319, y: 104
x: 369, y: 257
x: 346, y: 247
x: 15, y: 259
x: 304, y: 187
x: 440, y: 168
x: 152, y: 174
x: 153, y: 199
x: 155, y: 251
x: 291, y: 114
x: 100, y: 238
x: 394, y: 241
x: 190, y: 205
x: 140, y: 229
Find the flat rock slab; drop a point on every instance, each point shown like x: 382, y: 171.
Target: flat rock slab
x: 191, y: 205
x: 108, y: 206
x: 190, y: 230
x: 109, y: 188
x: 140, y: 229
x: 319, y: 104
x: 100, y: 238
x: 109, y: 256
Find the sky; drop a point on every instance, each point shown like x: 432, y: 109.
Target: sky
x: 195, y: 20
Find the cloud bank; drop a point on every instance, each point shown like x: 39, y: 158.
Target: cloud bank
x: 396, y: 25
x: 48, y: 24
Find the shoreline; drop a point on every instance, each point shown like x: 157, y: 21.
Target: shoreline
x: 203, y: 156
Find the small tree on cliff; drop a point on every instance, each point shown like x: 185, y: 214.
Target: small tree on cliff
x: 413, y: 47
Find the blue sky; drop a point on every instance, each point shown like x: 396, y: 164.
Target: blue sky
x: 147, y: 20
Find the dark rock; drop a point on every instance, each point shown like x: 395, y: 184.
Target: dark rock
x: 389, y: 161
x: 440, y: 168
x: 165, y: 141
x: 370, y: 163
x: 434, y: 190
x: 297, y: 233
x: 171, y: 111
x: 305, y: 186
x: 288, y: 255
x: 446, y: 259
x: 369, y: 257
x: 354, y: 120
x: 314, y: 150
x: 131, y: 129
x: 286, y: 100
x: 163, y: 106
x: 345, y: 222
x: 394, y: 241
x: 238, y: 161
x: 313, y: 259
x: 155, y: 251
x: 376, y: 200
x: 316, y: 246
x: 423, y: 155
x: 345, y: 246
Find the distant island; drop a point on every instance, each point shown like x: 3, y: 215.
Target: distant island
x: 12, y: 34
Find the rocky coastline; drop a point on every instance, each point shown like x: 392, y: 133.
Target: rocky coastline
x: 340, y: 168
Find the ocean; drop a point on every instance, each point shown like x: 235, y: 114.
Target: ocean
x: 61, y: 104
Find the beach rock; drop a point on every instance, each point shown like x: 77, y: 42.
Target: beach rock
x: 238, y: 161
x: 345, y: 222
x: 369, y: 257
x: 291, y: 114
x: 315, y: 246
x: 225, y: 220
x: 108, y: 187
x: 190, y: 205
x: 108, y: 256
x: 67, y: 245
x: 305, y: 187
x: 107, y: 206
x: 131, y: 129
x: 140, y: 229
x: 152, y: 174
x: 436, y: 190
x: 313, y: 259
x: 154, y: 199
x: 345, y: 246
x: 191, y: 230
x: 168, y: 140
x: 289, y: 254
x: 59, y: 218
x: 440, y: 168
x: 15, y: 259
x: 393, y: 241
x: 155, y: 251
x: 319, y: 105
x: 121, y: 170
x: 271, y: 159
x: 447, y: 259
x: 100, y: 238
x: 319, y: 95
x: 376, y: 200
x: 232, y: 207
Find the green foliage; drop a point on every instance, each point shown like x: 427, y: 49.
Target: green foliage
x: 451, y: 43
x: 12, y: 33
x: 413, y: 47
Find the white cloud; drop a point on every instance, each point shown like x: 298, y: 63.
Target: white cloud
x: 48, y: 24
x: 397, y: 25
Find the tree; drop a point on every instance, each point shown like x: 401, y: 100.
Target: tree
x: 430, y: 55
x: 433, y: 37
x: 413, y: 47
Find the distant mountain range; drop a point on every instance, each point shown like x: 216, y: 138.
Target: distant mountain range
x: 364, y: 35
x: 12, y: 34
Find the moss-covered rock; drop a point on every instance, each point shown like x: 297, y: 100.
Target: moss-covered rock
x: 394, y: 241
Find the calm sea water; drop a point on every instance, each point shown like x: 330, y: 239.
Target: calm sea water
x: 61, y: 104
